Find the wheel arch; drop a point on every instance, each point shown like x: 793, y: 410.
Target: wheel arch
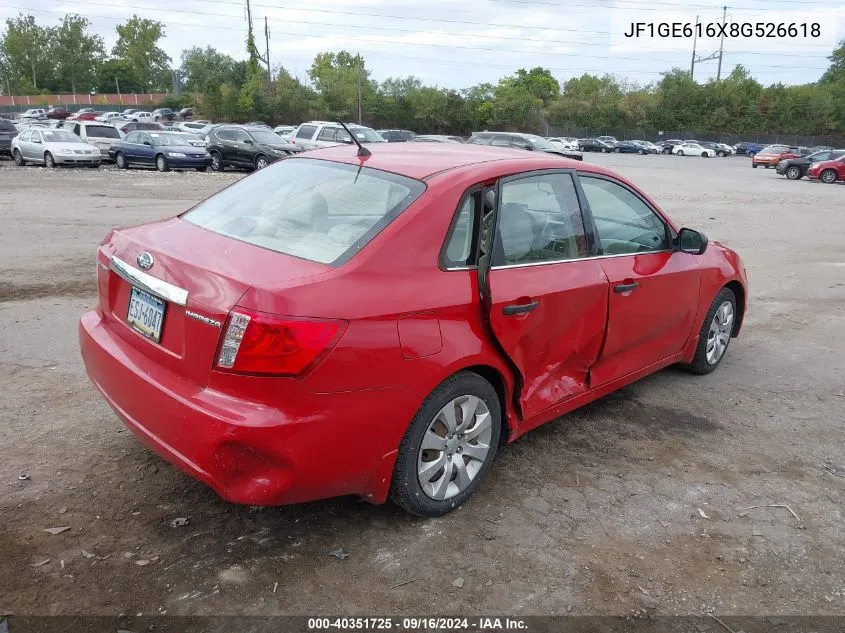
x: 497, y: 380
x: 739, y: 294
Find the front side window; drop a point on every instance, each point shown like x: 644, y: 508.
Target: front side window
x: 625, y: 224
x: 133, y: 138
x: 312, y: 209
x: 501, y: 141
x: 241, y: 136
x: 26, y: 137
x: 306, y: 131
x: 539, y: 221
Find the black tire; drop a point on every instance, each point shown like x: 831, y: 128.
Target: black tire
x: 751, y: 154
x: 18, y: 157
x: 680, y: 152
x: 793, y: 172
x: 666, y: 150
x: 617, y: 150
x: 217, y: 162
x: 754, y: 165
x: 700, y: 364
x: 120, y: 161
x: 705, y: 155
x: 641, y: 152
x: 828, y: 176
x: 604, y: 150
x: 768, y: 166
x: 49, y: 161
x: 261, y: 161
x: 161, y: 163
x: 405, y: 488
x: 202, y: 169
x: 721, y: 154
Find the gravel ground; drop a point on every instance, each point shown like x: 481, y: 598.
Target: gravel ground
x: 633, y: 505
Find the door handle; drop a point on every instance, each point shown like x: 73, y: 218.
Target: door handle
x: 520, y: 308
x: 625, y: 287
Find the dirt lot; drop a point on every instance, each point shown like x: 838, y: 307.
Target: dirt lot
x: 634, y: 503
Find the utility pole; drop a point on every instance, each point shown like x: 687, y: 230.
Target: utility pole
x: 722, y: 42
x: 694, y: 41
x: 117, y: 86
x: 359, y: 88
x: 267, y: 50
x: 253, y: 49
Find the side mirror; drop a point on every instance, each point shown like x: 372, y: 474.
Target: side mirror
x: 249, y: 141
x: 693, y: 242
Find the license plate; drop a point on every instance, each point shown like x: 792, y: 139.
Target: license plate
x: 145, y: 314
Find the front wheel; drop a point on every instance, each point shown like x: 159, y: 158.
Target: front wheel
x: 721, y: 154
x: 120, y: 161
x: 751, y: 154
x: 754, y: 165
x: 680, y: 152
x: 666, y: 150
x: 793, y: 172
x: 261, y: 162
x: 617, y: 150
x: 161, y: 163
x: 641, y: 152
x: 828, y: 176
x: 448, y: 447
x: 715, y: 334
x: 19, y: 161
x: 49, y: 161
x: 705, y: 155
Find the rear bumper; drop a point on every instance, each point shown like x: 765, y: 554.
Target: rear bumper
x: 291, y: 446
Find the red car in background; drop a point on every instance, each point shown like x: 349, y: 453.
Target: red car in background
x: 770, y: 156
x: 828, y: 171
x: 85, y: 114
x: 58, y: 112
x: 378, y: 323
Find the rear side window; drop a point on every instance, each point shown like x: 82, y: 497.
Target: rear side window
x: 102, y: 131
x: 327, y: 134
x: 313, y: 209
x: 226, y: 135
x: 459, y: 248
x: 306, y: 131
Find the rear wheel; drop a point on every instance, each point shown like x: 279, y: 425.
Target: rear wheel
x: 754, y: 165
x: 161, y: 163
x: 617, y: 150
x: 751, y: 154
x: 793, y: 172
x: 217, y: 162
x: 721, y: 154
x: 120, y: 161
x: 641, y: 152
x: 19, y: 161
x: 49, y: 161
x: 448, y: 446
x: 705, y: 155
x: 666, y: 150
x: 680, y: 152
x: 828, y: 176
x: 715, y: 334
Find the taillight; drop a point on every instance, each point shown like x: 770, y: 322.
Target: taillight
x: 259, y: 343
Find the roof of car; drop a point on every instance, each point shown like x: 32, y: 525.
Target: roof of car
x: 423, y: 160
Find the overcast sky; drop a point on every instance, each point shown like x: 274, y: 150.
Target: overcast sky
x: 458, y: 43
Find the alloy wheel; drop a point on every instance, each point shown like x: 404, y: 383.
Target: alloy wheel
x: 828, y: 176
x: 454, y: 447
x: 793, y: 173
x: 719, y: 334
x: 261, y: 162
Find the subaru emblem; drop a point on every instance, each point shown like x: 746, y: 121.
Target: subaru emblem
x: 145, y: 260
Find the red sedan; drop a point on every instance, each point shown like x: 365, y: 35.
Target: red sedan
x: 378, y: 325
x: 828, y: 171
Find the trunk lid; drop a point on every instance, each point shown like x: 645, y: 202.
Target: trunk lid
x: 204, y: 275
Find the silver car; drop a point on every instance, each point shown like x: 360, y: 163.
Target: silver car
x: 53, y: 147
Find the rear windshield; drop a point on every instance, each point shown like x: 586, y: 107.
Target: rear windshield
x: 7, y: 126
x: 313, y: 209
x: 102, y: 131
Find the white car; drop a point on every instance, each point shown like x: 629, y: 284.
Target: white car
x: 192, y: 127
x: 565, y: 142
x: 33, y: 113
x: 107, y: 117
x: 317, y: 134
x: 693, y: 149
x: 141, y: 116
x: 193, y: 139
x: 52, y: 147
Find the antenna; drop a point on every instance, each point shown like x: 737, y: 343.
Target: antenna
x: 362, y: 151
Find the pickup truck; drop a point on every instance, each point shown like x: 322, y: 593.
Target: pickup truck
x: 749, y: 149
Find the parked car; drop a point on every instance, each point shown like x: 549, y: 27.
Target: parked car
x: 250, y: 340
x: 564, y: 142
x: 100, y: 135
x: 142, y: 116
x: 162, y: 150
x: 437, y: 138
x: 828, y: 171
x: 8, y: 131
x: 133, y: 126
x: 260, y: 124
x: 770, y: 156
x: 628, y: 147
x: 186, y: 114
x: 820, y: 148
x: 721, y: 150
x: 397, y: 136
x: 90, y: 115
x: 75, y: 115
x: 669, y: 144
x: 32, y: 113
x: 745, y: 148
x: 57, y: 112
x: 246, y: 147
x: 796, y: 168
x: 315, y: 134
x: 693, y: 149
x: 129, y: 111
x: 163, y: 114
x: 193, y: 127
x: 284, y: 130
x: 109, y: 117
x: 522, y: 141
x: 594, y: 145
x: 648, y: 147
x: 610, y: 140
x: 53, y: 147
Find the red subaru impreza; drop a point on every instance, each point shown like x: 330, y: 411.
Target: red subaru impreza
x: 378, y: 325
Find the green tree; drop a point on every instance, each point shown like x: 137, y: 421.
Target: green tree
x: 206, y: 69
x: 118, y: 73
x: 77, y: 54
x: 26, y: 48
x: 340, y: 78
x: 138, y: 45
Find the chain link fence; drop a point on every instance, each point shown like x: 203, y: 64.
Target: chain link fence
x: 730, y: 138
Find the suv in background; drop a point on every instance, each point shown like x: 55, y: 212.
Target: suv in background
x: 517, y: 140
x: 316, y: 134
x: 8, y: 131
x: 770, y: 156
x: 397, y: 136
x: 594, y: 145
x: 245, y: 147
x: 163, y: 114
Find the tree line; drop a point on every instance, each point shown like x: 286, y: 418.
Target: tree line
x: 36, y: 59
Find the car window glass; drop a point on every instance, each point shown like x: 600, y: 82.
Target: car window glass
x: 835, y: 155
x: 132, y: 138
x: 306, y: 131
x: 144, y: 138
x: 520, y: 142
x: 36, y: 136
x: 539, y: 221
x: 26, y: 136
x: 241, y: 136
x: 459, y: 247
x: 102, y: 131
x: 327, y: 134
x: 226, y: 135
x: 501, y: 141
x: 625, y: 223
